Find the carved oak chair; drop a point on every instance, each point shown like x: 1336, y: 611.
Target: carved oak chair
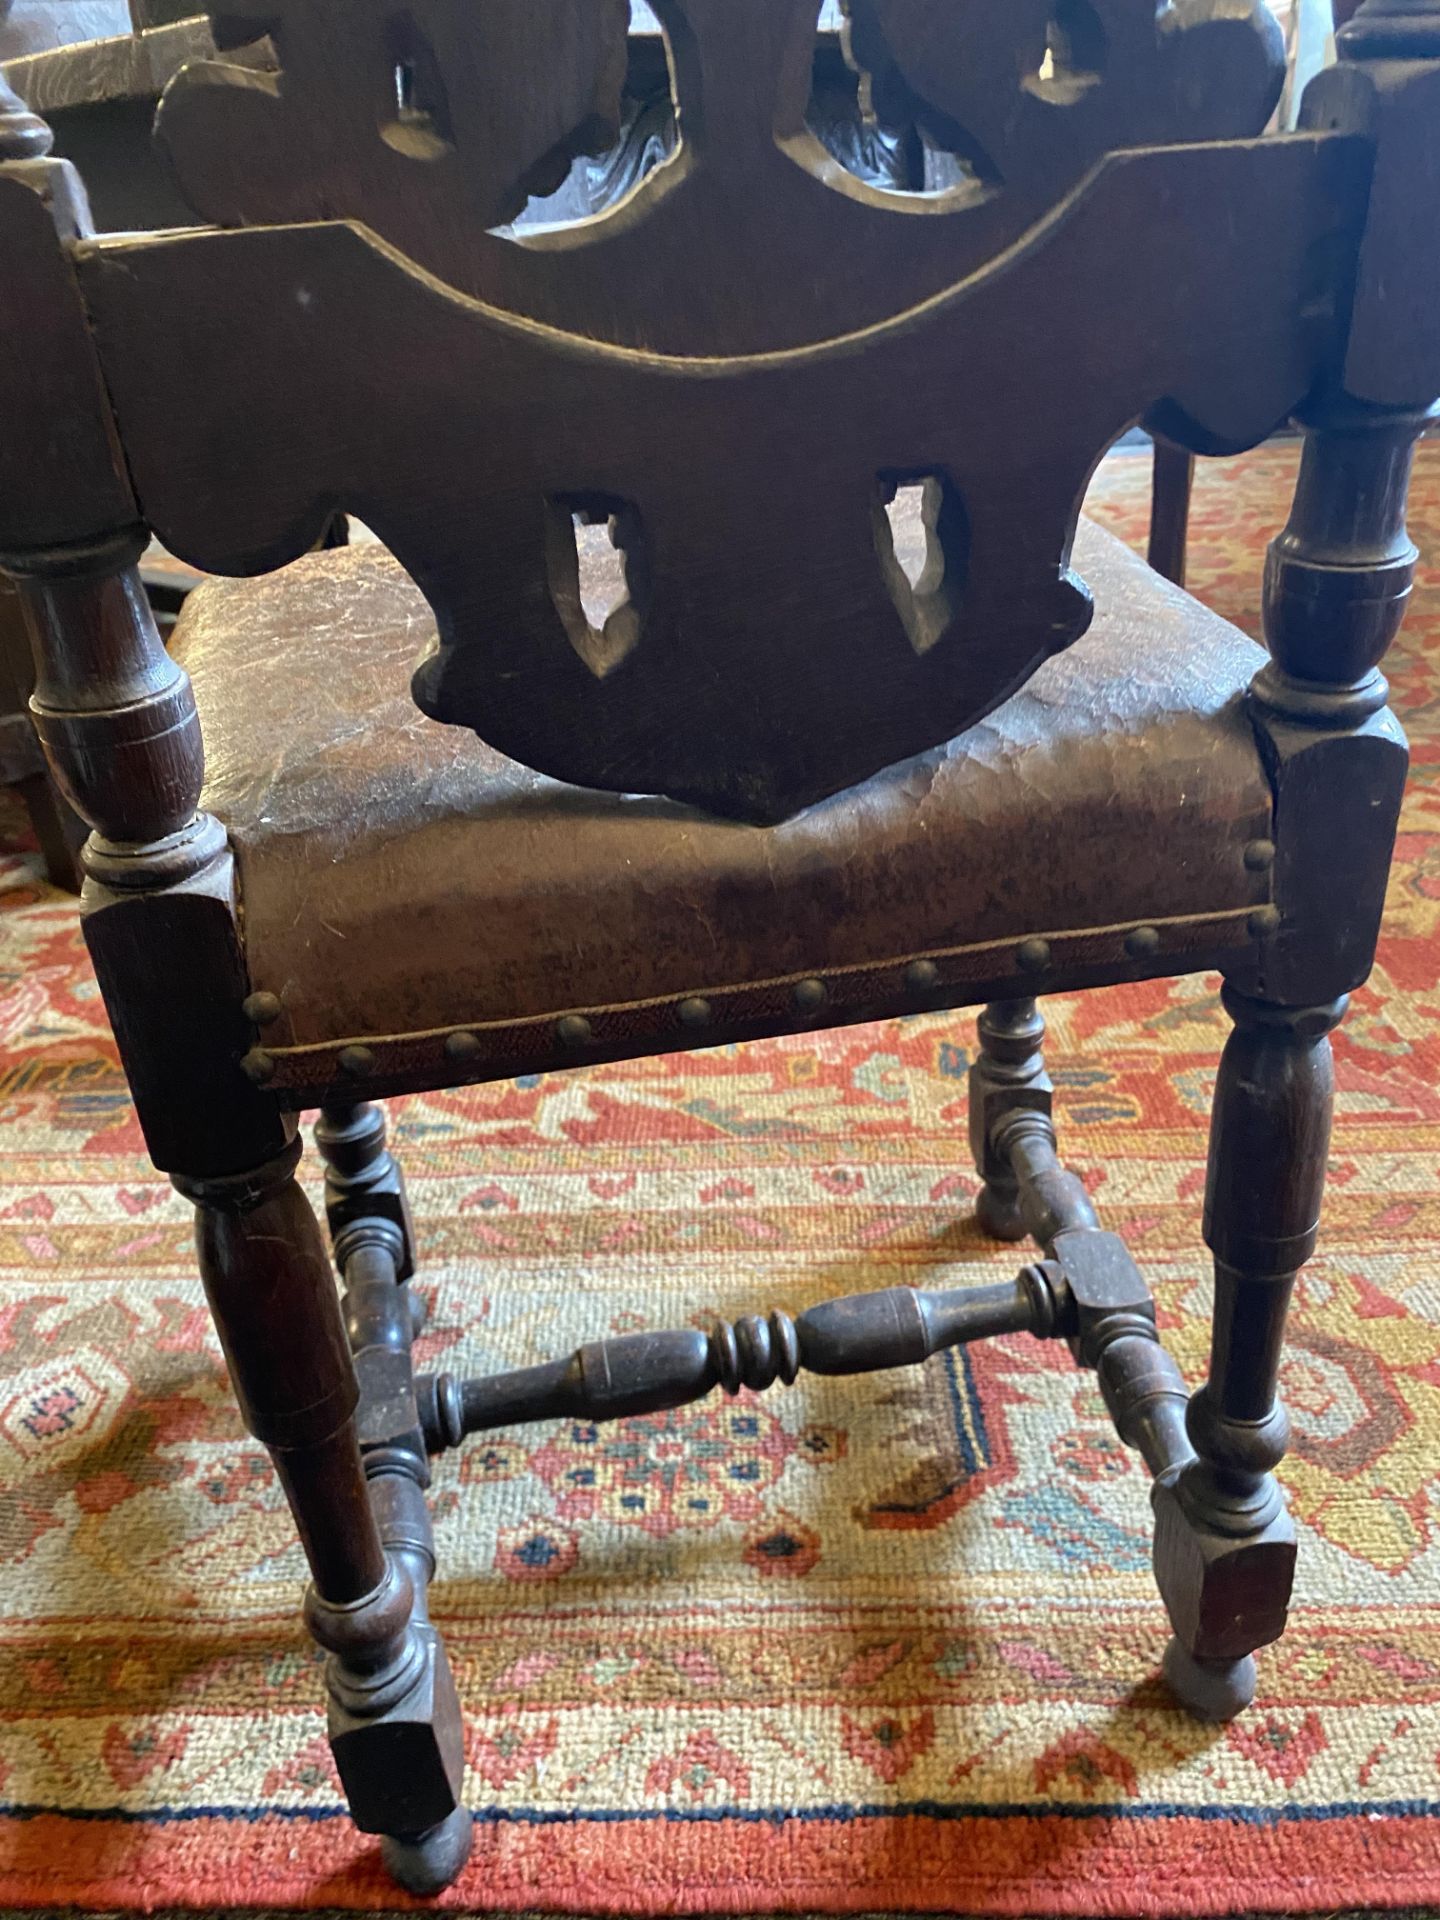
x: 905, y: 739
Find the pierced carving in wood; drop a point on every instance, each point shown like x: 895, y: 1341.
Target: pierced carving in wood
x: 1031, y: 93
x: 743, y: 366
x: 433, y: 123
x: 408, y: 117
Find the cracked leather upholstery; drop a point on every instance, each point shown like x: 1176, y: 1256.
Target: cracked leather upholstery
x: 399, y: 876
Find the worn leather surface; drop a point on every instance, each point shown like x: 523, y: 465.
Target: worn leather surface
x: 400, y: 876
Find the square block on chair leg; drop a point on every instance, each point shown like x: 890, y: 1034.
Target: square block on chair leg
x: 1226, y: 1593
x: 402, y: 1769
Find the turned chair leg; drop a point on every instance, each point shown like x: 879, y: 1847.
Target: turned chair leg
x: 1224, y: 1542
x: 1008, y: 1075
x: 1171, y: 486
x: 394, y: 1724
x: 370, y: 1229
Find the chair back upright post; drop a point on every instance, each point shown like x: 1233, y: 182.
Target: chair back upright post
x: 23, y: 135
x: 1339, y: 576
x: 118, y: 720
x: 115, y: 714
x: 1336, y: 586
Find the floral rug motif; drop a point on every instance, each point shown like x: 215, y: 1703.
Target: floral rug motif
x: 888, y: 1642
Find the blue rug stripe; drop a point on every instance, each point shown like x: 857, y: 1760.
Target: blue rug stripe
x: 779, y: 1816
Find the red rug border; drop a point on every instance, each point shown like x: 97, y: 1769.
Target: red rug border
x: 1174, y: 1865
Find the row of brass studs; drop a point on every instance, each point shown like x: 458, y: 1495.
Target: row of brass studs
x: 808, y: 997
x: 1264, y: 922
x: 695, y: 1013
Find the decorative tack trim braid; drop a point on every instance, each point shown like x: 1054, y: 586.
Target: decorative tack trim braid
x: 449, y: 1056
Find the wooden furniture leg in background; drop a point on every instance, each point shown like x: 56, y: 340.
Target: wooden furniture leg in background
x: 1007, y: 1076
x: 371, y: 1232
x: 58, y: 828
x: 1170, y: 490
x: 26, y: 139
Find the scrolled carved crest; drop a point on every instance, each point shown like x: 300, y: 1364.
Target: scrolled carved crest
x: 432, y: 122
x: 741, y: 370
x: 382, y: 112
x: 1032, y: 92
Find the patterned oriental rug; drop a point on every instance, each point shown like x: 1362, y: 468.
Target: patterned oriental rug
x: 888, y: 1643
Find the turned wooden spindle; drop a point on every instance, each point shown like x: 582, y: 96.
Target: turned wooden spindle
x: 1336, y: 587
x: 1337, y: 583
x: 272, y: 1292
x: 641, y: 1373
x: 259, y: 1243
x: 403, y: 1774
x: 1007, y: 1076
x: 115, y: 713
x: 1338, y: 578
x: 1113, y: 1314
x: 1224, y: 1544
x: 364, y: 1187
x: 23, y: 134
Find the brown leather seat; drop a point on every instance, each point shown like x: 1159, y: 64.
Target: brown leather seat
x: 1129, y: 761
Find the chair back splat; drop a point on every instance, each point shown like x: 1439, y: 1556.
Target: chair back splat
x: 749, y: 368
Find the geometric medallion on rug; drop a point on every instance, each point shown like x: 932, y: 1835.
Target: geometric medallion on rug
x: 887, y: 1642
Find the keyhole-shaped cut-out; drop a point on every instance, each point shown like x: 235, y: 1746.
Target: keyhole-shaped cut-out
x: 420, y: 125
x: 595, y: 554
x: 922, y: 541
x: 1075, y: 49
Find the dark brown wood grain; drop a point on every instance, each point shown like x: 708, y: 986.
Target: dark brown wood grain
x: 1007, y: 1076
x: 1388, y: 82
x: 772, y: 205
x: 269, y: 1282
x: 431, y: 124
x: 770, y: 652
x: 1337, y: 582
x: 1224, y: 1545
x: 364, y: 1187
x: 394, y: 1721
x: 60, y: 473
x: 1170, y: 492
x: 402, y: 1762
x: 1031, y: 93
x: 57, y: 826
